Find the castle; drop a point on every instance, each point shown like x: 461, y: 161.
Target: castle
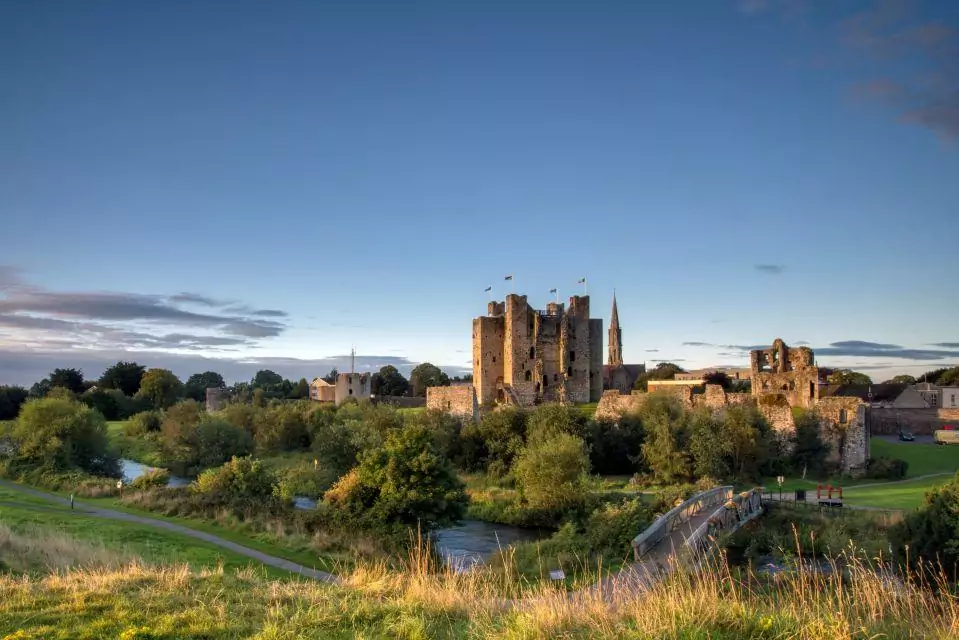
x: 524, y: 356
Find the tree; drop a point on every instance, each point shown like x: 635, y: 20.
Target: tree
x: 663, y: 371
x: 330, y: 378
x: 198, y: 383
x: 809, y: 449
x: 706, y: 445
x: 61, y: 434
x: 901, y: 379
x: 552, y: 472
x: 124, y: 376
x: 406, y: 481
x: 949, y: 378
x: 301, y: 390
x: 241, y: 482
x: 666, y: 448
x: 932, y: 377
x: 929, y: 537
x: 208, y: 443
x: 160, y: 387
x: 102, y: 401
x: 40, y: 389
x: 718, y: 377
x: 427, y: 375
x: 11, y: 399
x: 848, y: 376
x: 744, y: 438
x: 71, y: 379
x: 493, y: 442
x: 388, y: 381
x: 265, y: 378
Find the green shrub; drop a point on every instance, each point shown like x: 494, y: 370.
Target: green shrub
x: 611, y: 528
x: 552, y: 472
x: 187, y: 451
x: 143, y: 423
x: 931, y: 534
x: 883, y: 468
x: 280, y: 427
x: 406, y: 482
x: 667, y: 445
x: 241, y: 481
x: 616, y: 447
x: 493, y: 442
x: 151, y: 480
x: 62, y: 434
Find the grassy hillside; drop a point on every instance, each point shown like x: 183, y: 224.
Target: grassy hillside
x: 137, y: 601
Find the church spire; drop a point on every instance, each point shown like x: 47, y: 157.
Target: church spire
x: 615, y: 354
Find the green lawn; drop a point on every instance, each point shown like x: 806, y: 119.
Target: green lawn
x: 897, y: 495
x: 923, y: 459
x: 151, y: 544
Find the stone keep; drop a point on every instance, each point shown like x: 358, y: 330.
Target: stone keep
x: 526, y: 356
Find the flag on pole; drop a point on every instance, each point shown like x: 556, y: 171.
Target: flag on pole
x: 581, y: 281
x: 509, y: 277
x: 489, y: 288
x: 552, y: 290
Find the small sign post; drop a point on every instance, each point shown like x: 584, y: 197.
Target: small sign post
x: 780, y: 479
x: 120, y: 487
x: 558, y: 574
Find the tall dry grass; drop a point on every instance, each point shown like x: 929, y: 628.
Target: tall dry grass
x: 41, y: 549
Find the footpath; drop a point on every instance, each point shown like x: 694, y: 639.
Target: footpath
x: 110, y: 514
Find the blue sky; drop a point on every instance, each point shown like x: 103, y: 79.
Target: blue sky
x: 737, y: 171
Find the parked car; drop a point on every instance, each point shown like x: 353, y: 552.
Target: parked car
x: 905, y: 436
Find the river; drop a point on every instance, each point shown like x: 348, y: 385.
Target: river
x: 464, y: 546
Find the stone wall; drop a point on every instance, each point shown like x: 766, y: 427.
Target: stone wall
x: 778, y: 413
x: 787, y: 371
x: 401, y: 402
x: 918, y: 421
x: 488, y: 332
x: 595, y: 359
x: 843, y: 424
x: 215, y: 399
x: 459, y: 401
x: 614, y: 404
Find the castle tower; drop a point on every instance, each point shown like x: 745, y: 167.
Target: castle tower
x: 615, y: 353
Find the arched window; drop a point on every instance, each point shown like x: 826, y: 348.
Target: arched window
x: 528, y: 376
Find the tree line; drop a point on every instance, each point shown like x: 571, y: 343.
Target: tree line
x: 128, y: 388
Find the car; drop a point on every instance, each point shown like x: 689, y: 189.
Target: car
x: 905, y: 436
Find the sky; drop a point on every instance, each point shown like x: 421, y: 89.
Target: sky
x: 245, y: 185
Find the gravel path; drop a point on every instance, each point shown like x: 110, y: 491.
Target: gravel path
x: 110, y: 514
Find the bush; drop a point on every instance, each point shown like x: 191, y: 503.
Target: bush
x: 280, y: 427
x: 143, y: 423
x: 493, y: 442
x: 616, y: 447
x: 552, y: 472
x: 405, y: 482
x: 152, y: 479
x: 446, y: 430
x: 187, y: 451
x: 610, y: 529
x: 883, y: 468
x: 63, y: 435
x: 239, y: 482
x: 930, y: 535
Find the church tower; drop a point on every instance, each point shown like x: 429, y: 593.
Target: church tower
x: 615, y: 354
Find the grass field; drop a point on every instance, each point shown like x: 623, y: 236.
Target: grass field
x: 923, y: 458
x: 897, y: 495
x: 23, y: 516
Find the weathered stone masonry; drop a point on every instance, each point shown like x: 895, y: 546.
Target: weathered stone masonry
x: 458, y: 400
x: 526, y: 356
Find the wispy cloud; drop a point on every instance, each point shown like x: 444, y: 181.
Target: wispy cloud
x: 652, y: 350
x: 771, y: 269
x: 853, y: 348
x: 946, y: 345
x: 908, y: 60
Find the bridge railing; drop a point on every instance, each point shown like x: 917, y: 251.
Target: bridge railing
x: 731, y: 515
x: 676, y: 517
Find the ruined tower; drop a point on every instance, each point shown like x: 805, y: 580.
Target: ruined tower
x: 525, y: 356
x: 614, y: 356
